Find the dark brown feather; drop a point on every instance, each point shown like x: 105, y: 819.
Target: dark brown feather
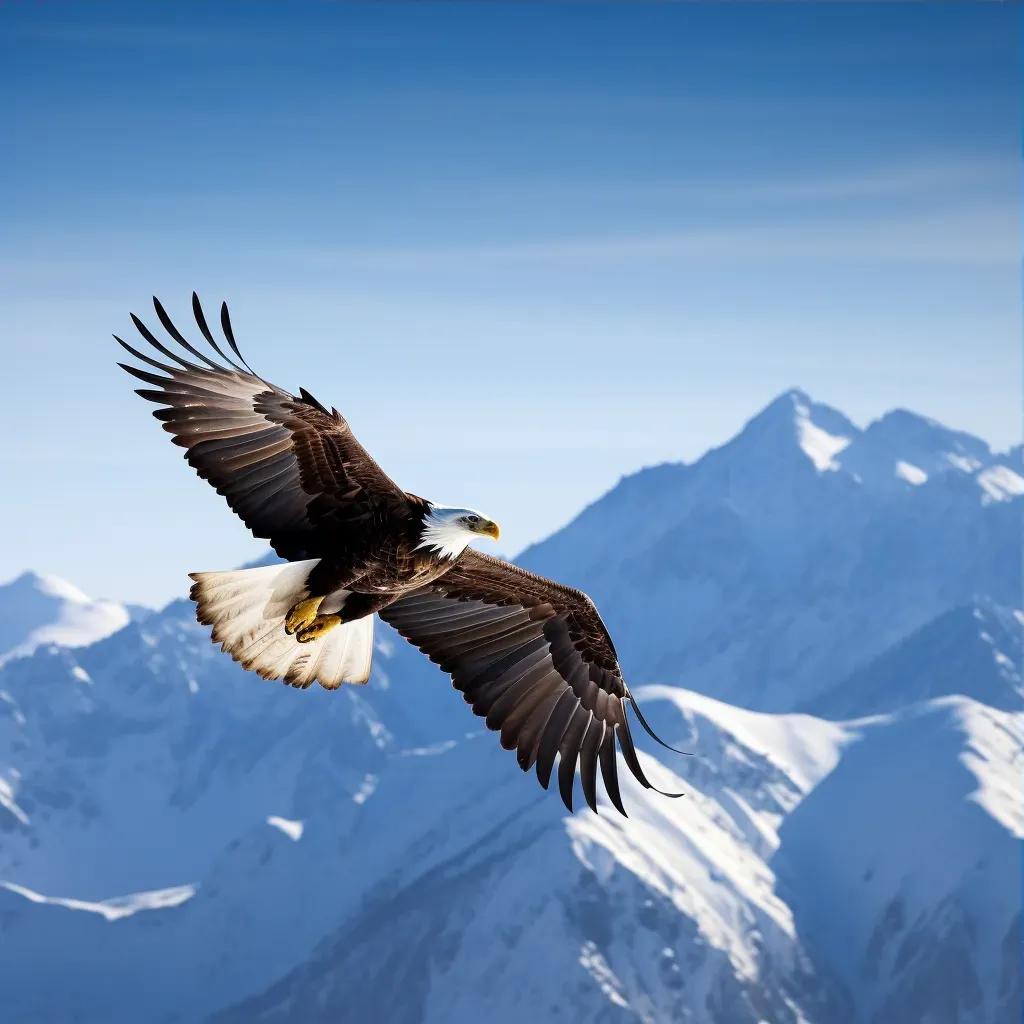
x: 549, y: 739
x: 588, y: 761
x: 568, y: 753
x: 534, y: 660
x: 293, y: 472
x: 609, y: 770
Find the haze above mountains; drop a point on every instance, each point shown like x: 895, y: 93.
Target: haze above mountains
x: 828, y: 617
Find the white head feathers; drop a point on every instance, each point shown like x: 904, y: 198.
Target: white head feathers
x: 448, y: 531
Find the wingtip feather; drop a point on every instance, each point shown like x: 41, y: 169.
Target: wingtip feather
x: 609, y: 770
x: 650, y: 732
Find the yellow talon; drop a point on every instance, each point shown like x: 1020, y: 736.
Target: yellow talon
x: 302, y: 614
x: 317, y: 628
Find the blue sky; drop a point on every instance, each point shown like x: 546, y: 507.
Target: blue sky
x: 525, y: 248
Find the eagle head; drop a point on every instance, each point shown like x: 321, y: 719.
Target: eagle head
x: 448, y: 531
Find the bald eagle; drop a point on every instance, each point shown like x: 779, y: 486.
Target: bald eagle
x: 531, y: 656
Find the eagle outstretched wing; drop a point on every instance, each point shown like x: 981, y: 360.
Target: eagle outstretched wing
x: 286, y: 465
x: 535, y: 660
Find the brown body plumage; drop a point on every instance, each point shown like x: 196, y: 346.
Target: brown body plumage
x: 531, y: 656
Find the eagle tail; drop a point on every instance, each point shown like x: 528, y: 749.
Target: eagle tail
x: 247, y: 609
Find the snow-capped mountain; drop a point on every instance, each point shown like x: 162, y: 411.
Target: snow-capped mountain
x: 192, y: 735
x: 42, y: 609
x: 181, y: 841
x: 769, y: 570
x: 317, y: 822
x: 443, y: 886
x: 902, y: 868
x: 903, y: 449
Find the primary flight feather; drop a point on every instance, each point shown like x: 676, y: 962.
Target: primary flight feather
x: 531, y: 656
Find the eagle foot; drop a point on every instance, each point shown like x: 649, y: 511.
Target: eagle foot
x: 320, y: 626
x: 302, y: 614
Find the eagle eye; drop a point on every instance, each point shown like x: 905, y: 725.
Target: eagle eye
x: 473, y: 520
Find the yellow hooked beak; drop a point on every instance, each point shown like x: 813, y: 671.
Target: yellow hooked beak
x: 489, y: 529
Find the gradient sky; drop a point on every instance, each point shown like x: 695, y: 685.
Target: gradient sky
x: 525, y: 248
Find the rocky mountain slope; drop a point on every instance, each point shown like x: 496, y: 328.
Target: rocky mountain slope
x: 974, y: 649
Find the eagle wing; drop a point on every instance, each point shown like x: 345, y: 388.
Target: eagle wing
x: 535, y: 660
x: 287, y: 466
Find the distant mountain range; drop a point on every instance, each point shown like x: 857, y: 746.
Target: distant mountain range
x: 770, y: 569
x: 828, y: 617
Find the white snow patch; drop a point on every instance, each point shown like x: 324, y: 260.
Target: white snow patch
x: 1000, y: 483
x: 962, y: 462
x: 7, y: 800
x: 817, y: 444
x: 366, y: 790
x: 597, y: 967
x: 80, y: 674
x: 912, y: 474
x: 993, y: 754
x: 432, y: 751
x: 116, y: 908
x: 292, y: 829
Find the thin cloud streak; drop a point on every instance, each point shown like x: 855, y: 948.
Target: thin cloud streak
x: 914, y: 180
x: 981, y: 236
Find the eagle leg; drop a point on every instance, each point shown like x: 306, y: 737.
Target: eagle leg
x: 321, y: 625
x: 302, y: 614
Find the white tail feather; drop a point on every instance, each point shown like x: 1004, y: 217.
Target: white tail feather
x: 247, y: 609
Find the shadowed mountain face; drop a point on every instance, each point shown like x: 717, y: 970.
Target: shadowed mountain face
x: 973, y: 650
x: 181, y: 841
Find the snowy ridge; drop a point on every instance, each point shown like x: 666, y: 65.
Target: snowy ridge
x: 113, y: 909
x: 1000, y: 483
x: 805, y: 748
x: 865, y: 884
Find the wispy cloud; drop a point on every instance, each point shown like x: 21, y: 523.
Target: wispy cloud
x: 919, y: 179
x: 981, y: 235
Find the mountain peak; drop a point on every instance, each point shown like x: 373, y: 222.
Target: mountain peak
x: 900, y: 449
x: 909, y: 430
x: 46, y: 585
x: 820, y: 432
x: 38, y: 608
x: 784, y: 406
x: 903, y: 448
